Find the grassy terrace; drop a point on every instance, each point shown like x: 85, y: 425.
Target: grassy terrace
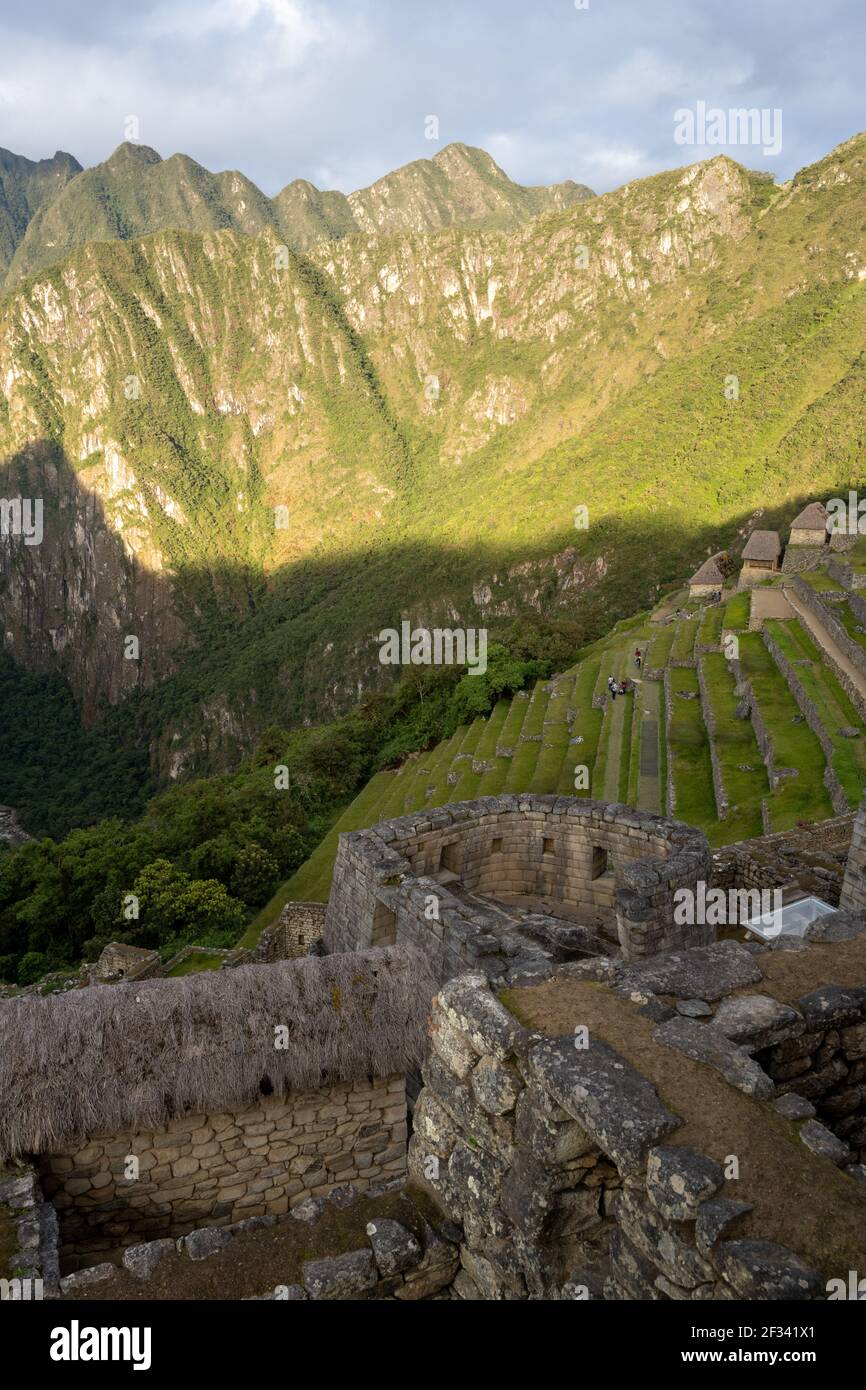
x: 689, y: 753
x: 835, y: 709
x: 850, y: 622
x: 626, y: 746
x: 822, y: 582
x: 683, y: 648
x: 737, y: 611
x: 743, y: 772
x: 660, y: 646
x: 710, y: 629
x: 804, y: 796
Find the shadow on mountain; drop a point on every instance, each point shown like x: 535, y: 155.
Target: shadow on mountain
x: 222, y: 651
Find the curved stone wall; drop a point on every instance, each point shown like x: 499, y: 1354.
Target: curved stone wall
x: 612, y: 868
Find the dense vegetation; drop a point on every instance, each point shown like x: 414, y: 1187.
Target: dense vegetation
x: 208, y: 853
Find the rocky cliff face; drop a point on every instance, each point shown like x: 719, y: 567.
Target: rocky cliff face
x: 253, y: 462
x: 136, y: 192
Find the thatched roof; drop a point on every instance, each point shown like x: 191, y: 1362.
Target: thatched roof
x: 763, y: 545
x: 811, y: 518
x: 715, y: 570
x: 131, y: 1056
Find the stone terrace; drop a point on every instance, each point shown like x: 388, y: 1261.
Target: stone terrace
x: 687, y: 1127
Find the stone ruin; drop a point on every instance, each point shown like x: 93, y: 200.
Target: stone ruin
x: 611, y: 1106
x: 516, y: 882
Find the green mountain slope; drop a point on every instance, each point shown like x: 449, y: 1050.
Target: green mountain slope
x: 136, y: 192
x: 429, y: 411
x: 26, y: 185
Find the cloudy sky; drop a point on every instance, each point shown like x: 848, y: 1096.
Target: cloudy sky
x: 340, y: 91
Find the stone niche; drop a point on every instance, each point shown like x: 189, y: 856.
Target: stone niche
x: 114, y: 1190
x: 608, y: 866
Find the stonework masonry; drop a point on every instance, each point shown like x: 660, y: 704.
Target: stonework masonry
x: 385, y: 879
x: 561, y: 1165
x: 299, y: 928
x: 853, y: 896
x: 216, y: 1169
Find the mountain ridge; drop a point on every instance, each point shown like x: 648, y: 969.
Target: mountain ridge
x: 135, y: 192
x: 429, y: 409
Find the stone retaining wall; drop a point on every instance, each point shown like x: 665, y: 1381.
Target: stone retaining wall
x: 722, y: 801
x: 823, y: 612
x: 220, y: 1168
x: 807, y: 707
x: 813, y: 858
x: 845, y: 574
x: 560, y: 1166
x: 385, y: 884
x: 853, y: 896
x: 746, y: 695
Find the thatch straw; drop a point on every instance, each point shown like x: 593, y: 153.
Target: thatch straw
x: 125, y: 1057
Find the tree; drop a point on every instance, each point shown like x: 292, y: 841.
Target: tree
x: 32, y: 967
x: 255, y: 875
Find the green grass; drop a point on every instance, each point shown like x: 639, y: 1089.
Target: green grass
x: 822, y: 582
x: 689, y: 754
x: 803, y: 797
x: 660, y: 647
x: 683, y: 648
x: 834, y: 708
x: 737, y: 751
x: 312, y: 882
x: 737, y: 610
x: 850, y: 622
x: 710, y: 630
x: 194, y: 964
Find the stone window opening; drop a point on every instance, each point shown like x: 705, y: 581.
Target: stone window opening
x: 547, y: 845
x: 496, y: 847
x: 449, y: 858
x: 599, y: 861
x: 384, y: 926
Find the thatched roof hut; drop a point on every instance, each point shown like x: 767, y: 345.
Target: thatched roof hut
x: 713, y: 574
x: 763, y: 548
x: 810, y: 526
x: 123, y: 1057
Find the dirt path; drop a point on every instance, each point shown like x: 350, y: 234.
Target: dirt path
x: 827, y: 644
x: 768, y: 603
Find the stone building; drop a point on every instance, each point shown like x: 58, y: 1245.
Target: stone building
x: 170, y: 1104
x: 712, y: 576
x: 588, y: 1069
x: 121, y: 962
x: 515, y: 879
x: 809, y: 527
x: 762, y: 555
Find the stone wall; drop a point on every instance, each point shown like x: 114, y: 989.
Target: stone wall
x: 560, y: 1164
x: 853, y: 895
x: 844, y: 573
x: 299, y: 928
x: 746, y: 696
x: 824, y: 613
x: 722, y: 802
x: 811, y: 857
x: 219, y: 1168
x: 799, y: 558
x: 810, y: 712
x: 385, y: 886
x: 29, y: 1262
